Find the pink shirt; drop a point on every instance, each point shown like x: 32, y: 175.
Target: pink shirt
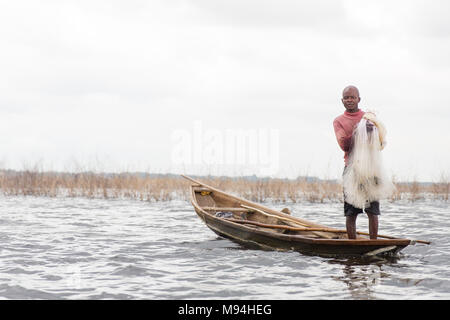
x: 343, y: 128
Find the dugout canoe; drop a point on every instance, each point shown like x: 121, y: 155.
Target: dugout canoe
x: 253, y: 224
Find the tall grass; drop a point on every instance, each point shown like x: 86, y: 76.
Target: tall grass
x: 92, y: 185
x: 148, y: 187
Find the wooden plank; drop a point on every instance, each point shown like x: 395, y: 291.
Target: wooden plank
x: 279, y: 226
x: 380, y: 250
x: 231, y: 209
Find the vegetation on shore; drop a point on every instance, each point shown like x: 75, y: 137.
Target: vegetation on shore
x: 164, y: 187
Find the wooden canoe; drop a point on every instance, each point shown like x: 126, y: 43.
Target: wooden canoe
x: 253, y: 224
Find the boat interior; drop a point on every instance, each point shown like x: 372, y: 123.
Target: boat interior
x: 259, y: 217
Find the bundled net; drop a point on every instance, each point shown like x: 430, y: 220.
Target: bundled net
x: 365, y: 178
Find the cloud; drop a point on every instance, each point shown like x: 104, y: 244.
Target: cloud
x: 431, y: 18
x: 117, y: 77
x: 266, y: 13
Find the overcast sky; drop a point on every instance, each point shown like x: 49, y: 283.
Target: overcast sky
x: 150, y: 85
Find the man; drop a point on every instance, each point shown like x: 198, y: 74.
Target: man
x: 343, y: 128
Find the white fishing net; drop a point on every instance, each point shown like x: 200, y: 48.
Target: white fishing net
x: 365, y: 178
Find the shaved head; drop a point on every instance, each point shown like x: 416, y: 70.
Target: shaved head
x: 350, y: 88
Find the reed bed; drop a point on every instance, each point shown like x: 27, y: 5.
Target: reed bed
x: 151, y: 187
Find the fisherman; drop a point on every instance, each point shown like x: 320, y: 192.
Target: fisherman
x: 344, y: 126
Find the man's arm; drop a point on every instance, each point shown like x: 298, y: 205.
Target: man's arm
x: 342, y: 138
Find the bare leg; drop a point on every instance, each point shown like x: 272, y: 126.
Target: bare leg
x: 350, y: 223
x: 373, y: 225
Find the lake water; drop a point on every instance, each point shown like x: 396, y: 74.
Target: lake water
x: 75, y: 248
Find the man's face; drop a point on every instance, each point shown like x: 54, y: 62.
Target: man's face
x: 350, y: 99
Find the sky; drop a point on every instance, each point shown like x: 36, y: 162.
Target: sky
x: 232, y: 87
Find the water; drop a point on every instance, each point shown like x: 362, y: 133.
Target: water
x: 64, y: 248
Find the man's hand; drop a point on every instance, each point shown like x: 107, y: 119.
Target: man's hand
x: 369, y: 126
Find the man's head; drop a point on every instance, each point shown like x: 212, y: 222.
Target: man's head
x: 350, y: 98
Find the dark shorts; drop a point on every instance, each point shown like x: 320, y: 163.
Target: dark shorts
x: 350, y: 210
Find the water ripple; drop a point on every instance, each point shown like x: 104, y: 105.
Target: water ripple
x: 65, y: 248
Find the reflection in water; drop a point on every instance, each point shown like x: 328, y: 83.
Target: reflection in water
x: 361, y: 275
